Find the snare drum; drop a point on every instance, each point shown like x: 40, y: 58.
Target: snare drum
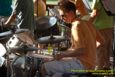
x: 17, y: 40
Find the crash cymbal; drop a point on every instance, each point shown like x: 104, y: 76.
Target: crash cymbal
x: 51, y: 39
x: 7, y: 33
x: 45, y: 22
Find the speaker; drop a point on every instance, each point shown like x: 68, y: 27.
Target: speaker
x: 109, y: 6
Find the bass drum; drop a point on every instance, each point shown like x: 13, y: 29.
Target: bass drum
x: 25, y: 66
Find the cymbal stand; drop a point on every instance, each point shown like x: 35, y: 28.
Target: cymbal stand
x: 1, y: 22
x: 8, y: 63
x: 114, y: 45
x: 64, y: 32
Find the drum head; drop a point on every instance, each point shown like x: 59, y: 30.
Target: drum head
x: 2, y: 50
x: 45, y: 22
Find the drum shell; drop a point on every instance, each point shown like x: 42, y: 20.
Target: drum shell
x: 26, y: 66
x: 41, y: 33
x: 18, y: 40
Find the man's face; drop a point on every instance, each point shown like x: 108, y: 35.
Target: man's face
x: 66, y: 16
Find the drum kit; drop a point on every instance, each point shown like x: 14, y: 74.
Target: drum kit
x: 22, y: 63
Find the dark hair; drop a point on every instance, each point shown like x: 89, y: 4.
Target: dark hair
x: 67, y: 6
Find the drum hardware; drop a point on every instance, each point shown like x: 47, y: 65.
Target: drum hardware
x: 8, y: 33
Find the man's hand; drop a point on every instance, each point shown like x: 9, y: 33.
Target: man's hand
x: 94, y: 13
x: 58, y: 57
x: 5, y: 25
x: 10, y: 20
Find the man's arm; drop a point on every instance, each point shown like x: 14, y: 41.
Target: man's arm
x: 100, y: 39
x: 78, y: 41
x: 10, y: 19
x: 69, y: 53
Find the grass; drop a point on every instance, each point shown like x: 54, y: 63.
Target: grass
x: 51, y: 1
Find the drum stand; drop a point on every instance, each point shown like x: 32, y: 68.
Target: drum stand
x: 11, y: 68
x: 8, y: 64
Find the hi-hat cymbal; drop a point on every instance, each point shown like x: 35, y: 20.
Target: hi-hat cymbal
x: 51, y: 39
x: 7, y: 33
x: 45, y: 22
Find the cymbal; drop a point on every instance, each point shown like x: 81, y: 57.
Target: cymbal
x: 45, y: 22
x: 24, y: 48
x: 51, y: 39
x: 7, y: 33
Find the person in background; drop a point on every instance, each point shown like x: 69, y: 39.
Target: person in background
x: 5, y: 12
x: 82, y: 53
x: 24, y: 13
x: 104, y: 24
x: 5, y: 8
x: 39, y: 8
